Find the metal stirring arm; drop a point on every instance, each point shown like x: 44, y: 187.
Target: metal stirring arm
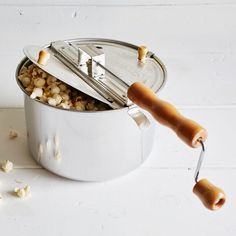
x: 88, y: 64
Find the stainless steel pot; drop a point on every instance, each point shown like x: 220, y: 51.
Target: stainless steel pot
x: 88, y: 146
x: 101, y: 145
x: 93, y: 146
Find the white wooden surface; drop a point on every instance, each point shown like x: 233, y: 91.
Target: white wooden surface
x: 115, y: 3
x: 196, y: 39
x: 155, y: 199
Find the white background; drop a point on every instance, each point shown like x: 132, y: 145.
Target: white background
x: 196, y: 40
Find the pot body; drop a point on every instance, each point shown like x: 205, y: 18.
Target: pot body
x: 87, y: 146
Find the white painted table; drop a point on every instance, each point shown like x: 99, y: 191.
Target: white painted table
x: 155, y: 199
x: 196, y: 39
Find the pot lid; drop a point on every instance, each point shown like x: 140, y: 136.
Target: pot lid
x: 101, y: 68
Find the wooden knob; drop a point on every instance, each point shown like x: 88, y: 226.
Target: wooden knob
x: 142, y: 52
x: 43, y: 57
x: 165, y: 113
x: 211, y: 196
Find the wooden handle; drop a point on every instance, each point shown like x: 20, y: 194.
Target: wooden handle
x: 165, y: 113
x: 211, y: 196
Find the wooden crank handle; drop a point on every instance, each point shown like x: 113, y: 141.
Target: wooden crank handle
x: 165, y: 113
x: 211, y: 196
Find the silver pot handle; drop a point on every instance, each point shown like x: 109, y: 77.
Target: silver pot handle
x: 139, y: 117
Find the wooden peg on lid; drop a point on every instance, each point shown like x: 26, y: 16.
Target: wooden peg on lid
x: 43, y: 57
x: 142, y: 52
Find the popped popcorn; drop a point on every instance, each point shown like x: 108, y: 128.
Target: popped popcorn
x: 48, y: 89
x: 65, y: 96
x: 51, y: 79
x: 52, y: 102
x: 37, y: 92
x: 55, y: 90
x: 22, y: 192
x: 58, y: 98
x: 80, y: 106
x: 39, y: 82
x: 64, y: 105
x: 7, y: 166
x: 25, y: 81
x: 62, y: 87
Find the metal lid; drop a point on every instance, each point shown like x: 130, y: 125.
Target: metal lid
x: 101, y: 68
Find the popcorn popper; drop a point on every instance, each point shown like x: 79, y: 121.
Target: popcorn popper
x: 101, y: 145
